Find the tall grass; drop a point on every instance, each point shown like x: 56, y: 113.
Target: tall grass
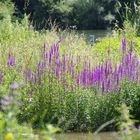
x: 63, y: 79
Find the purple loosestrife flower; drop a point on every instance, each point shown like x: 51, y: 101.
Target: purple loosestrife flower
x: 46, y: 55
x: 108, y: 84
x: 109, y: 77
x: 71, y: 67
x: 88, y: 79
x: 132, y: 69
x: 43, y: 55
x: 136, y: 59
x: 93, y: 77
x: 106, y: 68
x: 57, y: 72
x: 84, y: 77
x: 127, y: 60
x: 57, y: 68
x: 33, y: 79
x: 28, y: 74
x: 55, y: 48
x: 64, y: 64
x: 103, y: 86
x: 98, y: 75
x: 40, y: 68
x: 57, y: 55
x: 45, y: 47
x: 123, y: 45
x: 110, y: 68
x: 120, y: 70
x: 11, y: 60
x: 44, y: 51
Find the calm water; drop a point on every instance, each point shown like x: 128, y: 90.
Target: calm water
x: 96, y: 33
x: 86, y: 136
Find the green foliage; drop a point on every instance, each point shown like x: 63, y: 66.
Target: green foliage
x: 82, y: 13
x: 10, y: 129
x: 68, y: 13
x: 80, y: 110
x: 6, y: 9
x: 130, y: 15
x: 52, y: 101
x: 124, y: 120
x: 127, y: 130
x: 132, y: 98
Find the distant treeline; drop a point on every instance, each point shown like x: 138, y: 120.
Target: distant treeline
x: 85, y: 14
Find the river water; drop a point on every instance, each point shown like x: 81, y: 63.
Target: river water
x: 87, y: 136
x: 96, y: 33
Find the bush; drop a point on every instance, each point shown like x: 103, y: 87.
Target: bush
x: 131, y: 92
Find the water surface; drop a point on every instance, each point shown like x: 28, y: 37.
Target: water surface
x: 96, y: 33
x: 86, y: 136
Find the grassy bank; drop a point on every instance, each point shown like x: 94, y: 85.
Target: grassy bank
x: 59, y: 79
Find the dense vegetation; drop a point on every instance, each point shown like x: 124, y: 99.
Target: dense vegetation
x: 56, y: 77
x: 85, y: 14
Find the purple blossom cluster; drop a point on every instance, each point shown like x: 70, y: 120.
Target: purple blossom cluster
x: 51, y: 63
x: 11, y: 60
x: 106, y: 76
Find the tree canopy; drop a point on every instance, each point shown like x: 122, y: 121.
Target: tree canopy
x: 85, y: 14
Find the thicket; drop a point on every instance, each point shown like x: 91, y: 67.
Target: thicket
x: 85, y: 14
x: 61, y: 83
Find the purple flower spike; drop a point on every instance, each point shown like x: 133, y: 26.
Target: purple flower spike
x: 64, y: 64
x: 103, y: 87
x: 57, y: 72
x: 124, y: 45
x: 11, y: 60
x: 45, y: 47
x: 84, y: 75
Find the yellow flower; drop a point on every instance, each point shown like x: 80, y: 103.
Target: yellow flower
x: 8, y: 136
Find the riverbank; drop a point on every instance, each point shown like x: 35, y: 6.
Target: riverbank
x: 47, y: 77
